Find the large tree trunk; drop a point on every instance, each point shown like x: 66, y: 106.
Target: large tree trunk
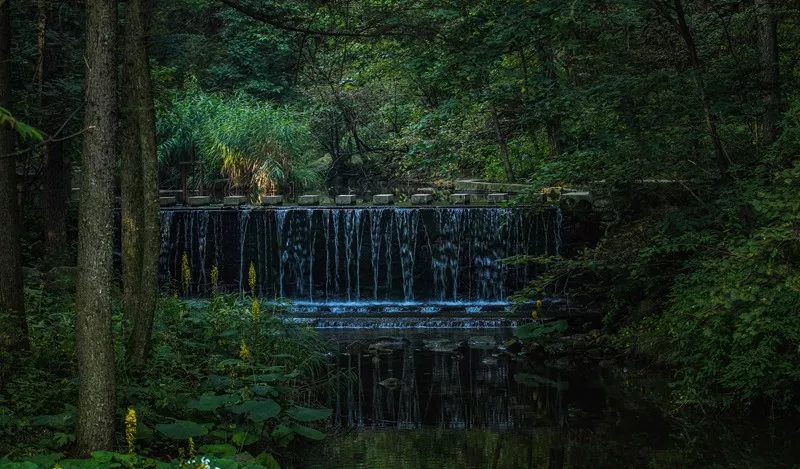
x: 93, y: 335
x: 14, y: 333
x: 770, y: 76
x: 140, y: 196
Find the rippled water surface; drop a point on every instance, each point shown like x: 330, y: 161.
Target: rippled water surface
x: 453, y: 399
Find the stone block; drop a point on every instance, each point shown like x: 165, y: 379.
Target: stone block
x: 383, y: 199
x: 426, y: 190
x: 198, y: 200
x: 234, y: 200
x: 459, y: 199
x: 167, y: 201
x: 345, y: 199
x: 310, y: 199
x: 498, y: 197
x: 272, y: 200
x: 421, y: 199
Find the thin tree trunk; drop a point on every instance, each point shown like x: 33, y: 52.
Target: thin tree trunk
x: 503, y: 143
x: 770, y: 76
x: 14, y: 333
x: 55, y: 192
x: 93, y: 335
x: 140, y: 118
x: 553, y: 122
x: 55, y: 174
x: 711, y: 118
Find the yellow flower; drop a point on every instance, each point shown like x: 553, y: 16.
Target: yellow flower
x: 535, y: 313
x: 130, y: 429
x: 244, y: 352
x: 251, y: 279
x: 214, y: 280
x: 186, y: 274
x: 256, y: 308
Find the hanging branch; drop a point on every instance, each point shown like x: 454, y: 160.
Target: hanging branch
x: 280, y: 20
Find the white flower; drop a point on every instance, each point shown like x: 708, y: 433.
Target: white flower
x: 203, y: 463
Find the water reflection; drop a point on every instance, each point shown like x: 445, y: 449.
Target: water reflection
x: 448, y: 399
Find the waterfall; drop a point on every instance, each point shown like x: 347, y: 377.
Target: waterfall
x: 283, y: 253
x: 244, y: 218
x: 411, y: 256
x: 445, y: 262
x: 559, y: 222
x: 312, y: 241
x: 166, y: 247
x: 349, y: 229
x: 406, y: 223
x: 375, y: 247
x: 202, y: 230
x: 335, y: 240
x: 327, y: 224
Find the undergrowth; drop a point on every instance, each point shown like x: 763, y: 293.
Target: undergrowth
x: 229, y: 385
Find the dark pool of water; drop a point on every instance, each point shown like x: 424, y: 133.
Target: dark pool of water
x: 453, y: 399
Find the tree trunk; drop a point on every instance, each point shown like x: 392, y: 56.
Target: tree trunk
x: 711, y: 118
x: 140, y: 128
x: 55, y: 173
x: 130, y: 179
x: 55, y: 192
x: 502, y: 142
x: 14, y: 333
x: 770, y: 76
x: 552, y: 122
x: 93, y: 335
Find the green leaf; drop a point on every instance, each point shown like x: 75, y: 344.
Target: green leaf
x: 229, y: 362
x: 210, y: 402
x: 282, y: 434
x: 537, y: 329
x: 244, y: 438
x: 220, y: 450
x: 264, y: 390
x: 307, y: 432
x: 44, y: 460
x: 305, y: 414
x: 258, y: 411
x: 181, y: 429
x: 266, y: 460
x: 18, y: 465
x: 103, y: 456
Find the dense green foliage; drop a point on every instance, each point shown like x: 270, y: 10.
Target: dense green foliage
x: 240, y: 382
x: 260, y: 148
x: 660, y: 109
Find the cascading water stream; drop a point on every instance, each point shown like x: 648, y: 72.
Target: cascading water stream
x: 404, y: 257
x: 244, y: 218
x: 406, y: 223
x: 166, y: 247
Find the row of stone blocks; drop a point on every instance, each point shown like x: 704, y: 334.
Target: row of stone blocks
x: 310, y: 200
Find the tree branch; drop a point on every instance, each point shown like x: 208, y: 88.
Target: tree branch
x: 277, y: 19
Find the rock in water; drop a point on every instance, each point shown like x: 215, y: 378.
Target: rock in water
x: 482, y: 341
x: 390, y: 383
